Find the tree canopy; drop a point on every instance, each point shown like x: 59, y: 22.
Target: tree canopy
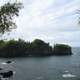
x: 7, y: 12
x: 78, y: 12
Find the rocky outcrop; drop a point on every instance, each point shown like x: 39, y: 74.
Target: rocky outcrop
x: 62, y: 49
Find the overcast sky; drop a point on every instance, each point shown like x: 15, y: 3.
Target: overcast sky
x: 54, y: 21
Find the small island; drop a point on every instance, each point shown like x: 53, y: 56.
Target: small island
x: 21, y: 48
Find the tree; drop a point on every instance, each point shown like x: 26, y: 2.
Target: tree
x: 7, y: 12
x: 62, y: 49
x: 78, y: 12
x: 40, y: 48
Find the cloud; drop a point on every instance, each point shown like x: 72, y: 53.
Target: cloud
x: 42, y: 13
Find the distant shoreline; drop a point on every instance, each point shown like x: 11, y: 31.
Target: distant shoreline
x: 21, y: 48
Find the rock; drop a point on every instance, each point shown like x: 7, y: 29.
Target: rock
x: 62, y: 49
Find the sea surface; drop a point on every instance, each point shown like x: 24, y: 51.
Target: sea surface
x: 45, y: 68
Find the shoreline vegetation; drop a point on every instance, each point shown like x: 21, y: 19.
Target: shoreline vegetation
x: 21, y: 48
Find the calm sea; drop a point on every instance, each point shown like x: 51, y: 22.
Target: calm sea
x: 45, y: 68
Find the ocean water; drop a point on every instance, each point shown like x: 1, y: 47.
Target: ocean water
x: 45, y: 68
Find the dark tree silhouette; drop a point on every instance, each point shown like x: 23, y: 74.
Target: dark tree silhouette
x: 62, y: 49
x: 21, y: 48
x: 78, y: 12
x: 7, y: 12
x: 40, y: 48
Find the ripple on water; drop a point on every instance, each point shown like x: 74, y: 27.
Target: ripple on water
x: 68, y: 75
x: 39, y: 78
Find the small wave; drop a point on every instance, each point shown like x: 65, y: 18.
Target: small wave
x: 7, y: 63
x: 14, y: 72
x: 3, y: 63
x: 66, y: 71
x: 68, y: 75
x: 39, y: 78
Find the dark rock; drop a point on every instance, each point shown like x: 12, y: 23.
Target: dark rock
x: 62, y: 49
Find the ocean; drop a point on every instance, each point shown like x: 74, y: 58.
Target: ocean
x: 45, y: 68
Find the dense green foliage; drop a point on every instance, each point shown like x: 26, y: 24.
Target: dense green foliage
x: 7, y: 13
x: 20, y: 48
x: 61, y: 49
x: 39, y: 47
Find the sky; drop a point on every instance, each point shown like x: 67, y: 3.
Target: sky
x: 54, y: 21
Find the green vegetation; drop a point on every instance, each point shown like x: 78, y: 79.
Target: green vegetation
x: 61, y: 49
x: 39, y: 47
x: 20, y: 48
x: 7, y: 12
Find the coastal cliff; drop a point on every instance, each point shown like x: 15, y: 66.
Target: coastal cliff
x: 21, y: 48
x: 62, y: 49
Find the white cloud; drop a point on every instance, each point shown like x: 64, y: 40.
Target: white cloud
x: 39, y: 5
x: 37, y: 16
